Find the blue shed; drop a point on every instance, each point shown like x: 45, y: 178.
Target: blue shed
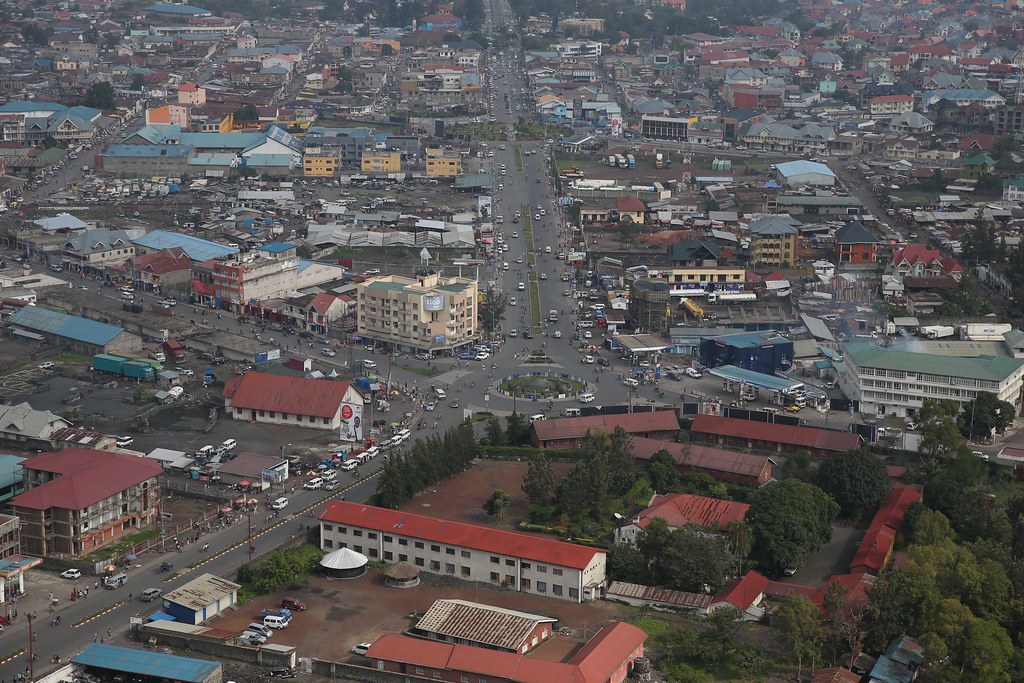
x: 202, y: 598
x: 765, y: 352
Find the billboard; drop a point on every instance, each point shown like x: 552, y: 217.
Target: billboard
x: 351, y: 428
x: 433, y: 302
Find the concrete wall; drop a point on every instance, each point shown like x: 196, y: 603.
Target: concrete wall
x: 351, y: 672
x: 198, y: 645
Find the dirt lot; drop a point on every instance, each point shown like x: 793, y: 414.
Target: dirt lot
x: 462, y: 499
x: 344, y: 613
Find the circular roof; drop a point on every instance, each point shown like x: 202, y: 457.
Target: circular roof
x: 343, y: 559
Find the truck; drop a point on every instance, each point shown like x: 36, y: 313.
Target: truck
x: 174, y: 350
x: 553, y: 316
x: 209, y: 377
x: 620, y: 161
x: 124, y: 367
x: 659, y: 160
x: 631, y: 160
x: 984, y: 331
x: 611, y: 160
x: 158, y: 356
x: 692, y: 307
x: 938, y: 331
x: 730, y: 297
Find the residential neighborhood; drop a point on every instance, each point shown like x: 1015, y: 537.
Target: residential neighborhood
x: 504, y: 340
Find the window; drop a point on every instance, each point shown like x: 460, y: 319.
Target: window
x: 328, y: 543
x: 465, y: 553
x: 465, y: 570
x: 463, y: 678
x: 357, y: 548
x: 387, y: 539
x: 403, y: 558
x: 372, y: 536
x: 574, y: 594
x: 510, y: 563
x: 437, y: 674
x: 449, y: 568
x: 419, y: 670
x: 542, y: 587
x: 494, y: 577
x: 357, y: 532
x: 388, y: 555
x: 373, y: 552
x: 435, y: 548
x: 524, y: 565
x: 556, y: 589
x: 556, y: 572
x: 403, y: 541
x: 418, y: 545
x: 435, y: 566
x: 449, y: 551
x: 494, y: 559
x: 542, y: 569
x: 419, y: 561
x: 328, y: 527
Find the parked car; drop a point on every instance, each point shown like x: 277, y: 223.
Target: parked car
x: 294, y: 604
x: 124, y: 441
x: 283, y: 672
x: 348, y: 465
x: 71, y: 574
x: 45, y: 366
x: 361, y: 649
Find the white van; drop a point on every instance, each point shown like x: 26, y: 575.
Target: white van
x: 275, y: 622
x: 440, y: 394
x: 261, y: 629
x: 314, y: 484
x: 279, y: 504
x: 571, y: 412
x: 329, y: 475
x: 537, y: 417
x: 229, y: 445
x: 368, y: 454
x: 586, y: 323
x: 205, y: 451
x: 631, y: 382
x: 369, y: 365
x: 404, y: 434
x: 586, y: 397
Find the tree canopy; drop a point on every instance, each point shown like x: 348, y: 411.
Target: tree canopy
x: 789, y: 520
x: 857, y: 480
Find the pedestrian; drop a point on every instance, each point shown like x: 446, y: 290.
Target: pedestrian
x: 129, y: 600
x: 95, y: 637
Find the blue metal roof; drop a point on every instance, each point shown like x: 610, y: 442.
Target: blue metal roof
x: 196, y: 248
x: 276, y: 247
x: 222, y: 140
x: 40, y: 319
x: 146, y: 663
x: 170, y: 8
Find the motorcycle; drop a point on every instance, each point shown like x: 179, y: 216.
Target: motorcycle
x: 166, y: 567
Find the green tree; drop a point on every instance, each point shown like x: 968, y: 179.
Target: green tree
x: 740, y: 538
x: 344, y: 80
x: 905, y: 602
x: 927, y: 527
x: 138, y: 83
x: 625, y: 563
x: 100, y: 96
x: 539, y: 481
x: 661, y: 470
x: 856, y: 480
x: 496, y: 435
x: 621, y: 464
x: 799, y: 621
x: 937, y: 425
x: 789, y: 519
x: 498, y: 503
x: 985, y: 416
x: 110, y: 41
x: 719, y: 638
x: 492, y: 310
x: 697, y: 562
x: 518, y: 429
x: 34, y: 35
x: 247, y: 112
x: 386, y: 50
x: 653, y: 542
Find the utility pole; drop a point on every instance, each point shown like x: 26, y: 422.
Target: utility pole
x: 249, y: 512
x: 31, y: 649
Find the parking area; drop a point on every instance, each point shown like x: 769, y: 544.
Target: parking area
x: 342, y: 614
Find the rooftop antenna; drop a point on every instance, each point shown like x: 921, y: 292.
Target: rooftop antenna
x: 425, y: 258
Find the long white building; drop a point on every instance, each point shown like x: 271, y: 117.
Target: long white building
x: 519, y: 562
x: 893, y: 382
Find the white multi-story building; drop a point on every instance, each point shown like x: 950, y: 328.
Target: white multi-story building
x: 520, y: 562
x: 587, y: 49
x: 893, y: 382
x: 429, y: 313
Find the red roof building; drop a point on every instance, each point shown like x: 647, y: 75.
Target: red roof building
x: 835, y: 674
x: 531, y: 564
x: 607, y: 658
x: 630, y: 207
x: 684, y: 509
x: 772, y: 438
x: 567, y: 432
x: 747, y: 469
x: 160, y: 268
x: 79, y: 500
x: 744, y: 593
x: 918, y: 260
x: 875, y: 549
x: 296, y: 401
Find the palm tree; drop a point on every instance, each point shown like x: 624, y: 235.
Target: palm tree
x: 740, y: 538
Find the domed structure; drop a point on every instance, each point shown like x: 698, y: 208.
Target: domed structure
x: 343, y: 564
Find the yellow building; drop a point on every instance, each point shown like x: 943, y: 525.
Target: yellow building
x: 699, y: 277
x: 773, y: 242
x: 443, y: 163
x: 429, y: 313
x: 191, y: 93
x: 321, y: 163
x: 384, y: 162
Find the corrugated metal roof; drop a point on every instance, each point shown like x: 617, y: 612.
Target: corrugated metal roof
x: 197, y: 249
x: 661, y: 596
x: 577, y: 427
x: 807, y: 437
x: 145, y: 663
x: 477, y: 623
x: 201, y: 592
x: 43, y: 320
x: 704, y: 457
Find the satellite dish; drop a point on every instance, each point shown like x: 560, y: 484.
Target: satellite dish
x: 618, y: 516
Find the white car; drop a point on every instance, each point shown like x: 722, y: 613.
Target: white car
x: 124, y: 441
x: 512, y: 301
x: 543, y: 276
x: 587, y: 334
x: 348, y: 465
x: 431, y: 405
x: 693, y: 372
x: 558, y: 334
x: 482, y: 355
x: 45, y: 366
x: 515, y: 234
x: 521, y: 287
x: 71, y: 574
x: 361, y: 649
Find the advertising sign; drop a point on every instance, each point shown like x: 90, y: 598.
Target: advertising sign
x: 351, y: 428
x: 433, y: 302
